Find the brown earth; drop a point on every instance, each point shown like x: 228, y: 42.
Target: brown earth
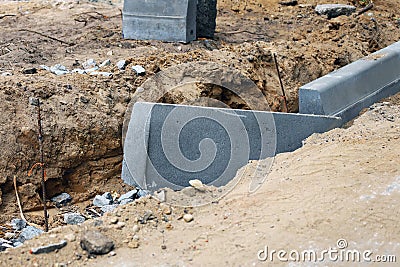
x: 83, y: 116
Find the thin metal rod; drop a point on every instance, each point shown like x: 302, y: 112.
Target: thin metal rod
x: 46, y: 223
x: 279, y: 75
x: 280, y: 82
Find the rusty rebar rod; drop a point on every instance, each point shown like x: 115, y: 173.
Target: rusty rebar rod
x: 40, y: 137
x: 281, y: 83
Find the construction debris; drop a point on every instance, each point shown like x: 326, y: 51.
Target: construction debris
x: 48, y: 248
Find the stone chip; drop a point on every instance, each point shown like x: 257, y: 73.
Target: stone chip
x: 95, y: 242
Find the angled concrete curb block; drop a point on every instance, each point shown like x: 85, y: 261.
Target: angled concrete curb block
x: 345, y: 92
x: 168, y: 145
x: 165, y: 20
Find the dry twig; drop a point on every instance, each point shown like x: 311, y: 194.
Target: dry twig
x: 2, y: 16
x: 20, y: 206
x: 18, y: 201
x: 242, y: 31
x: 85, y: 16
x: 365, y: 9
x: 47, y: 36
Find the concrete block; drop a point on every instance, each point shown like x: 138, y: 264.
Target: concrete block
x: 18, y: 224
x: 48, y: 248
x: 345, y: 92
x: 206, y: 16
x: 335, y: 10
x: 169, y: 145
x: 129, y: 195
x: 28, y: 233
x: 100, y: 201
x: 61, y: 199
x: 165, y: 20
x: 73, y: 218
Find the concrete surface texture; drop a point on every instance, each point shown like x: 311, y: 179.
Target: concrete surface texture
x: 166, y: 20
x: 197, y: 72
x: 169, y: 145
x: 346, y: 91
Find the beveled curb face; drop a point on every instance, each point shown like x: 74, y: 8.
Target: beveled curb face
x: 345, y: 92
x: 164, y: 20
x: 209, y: 144
x: 166, y: 146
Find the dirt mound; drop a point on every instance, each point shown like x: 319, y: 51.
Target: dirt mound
x: 83, y: 114
x: 345, y: 175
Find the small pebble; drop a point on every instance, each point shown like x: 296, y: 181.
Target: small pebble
x: 33, y: 101
x: 121, y: 64
x: 61, y: 199
x: 29, y: 71
x: 135, y: 228
x: 90, y: 63
x: 108, y: 208
x: 120, y: 225
x: 166, y: 209
x: 70, y: 237
x: 106, y: 62
x: 160, y: 195
x: 188, y: 217
x: 80, y: 71
x: 102, y: 73
x: 58, y: 69
x: 112, y: 253
x: 169, y: 226
x: 91, y: 70
x: 84, y: 100
x: 133, y: 244
x: 139, y: 70
x: 197, y: 184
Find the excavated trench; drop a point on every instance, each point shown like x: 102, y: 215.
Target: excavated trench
x: 83, y: 115
x: 82, y: 124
